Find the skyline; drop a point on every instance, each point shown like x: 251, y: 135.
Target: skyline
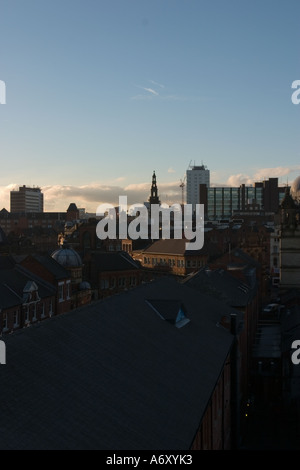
x: 99, y: 94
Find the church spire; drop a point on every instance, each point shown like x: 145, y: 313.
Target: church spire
x: 154, y: 199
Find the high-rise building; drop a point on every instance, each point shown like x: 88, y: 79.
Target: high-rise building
x: 27, y: 199
x: 194, y: 177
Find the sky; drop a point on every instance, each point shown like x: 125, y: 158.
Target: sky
x: 100, y: 93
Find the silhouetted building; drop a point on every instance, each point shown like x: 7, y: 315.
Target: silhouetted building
x: 289, y: 244
x: 223, y: 202
x: 194, y: 177
x: 154, y: 199
x: 27, y: 200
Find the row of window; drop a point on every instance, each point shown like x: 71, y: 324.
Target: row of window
x: 31, y: 314
x: 112, y: 283
x: 171, y: 262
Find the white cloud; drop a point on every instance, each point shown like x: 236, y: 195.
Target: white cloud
x: 151, y: 91
x: 237, y: 180
x: 276, y: 172
x: 157, y: 84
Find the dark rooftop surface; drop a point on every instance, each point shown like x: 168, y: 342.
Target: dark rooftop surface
x: 114, y: 261
x: 222, y: 285
x: 114, y: 375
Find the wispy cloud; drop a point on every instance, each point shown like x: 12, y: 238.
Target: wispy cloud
x: 171, y: 170
x: 276, y: 172
x: 157, y: 84
x: 150, y: 90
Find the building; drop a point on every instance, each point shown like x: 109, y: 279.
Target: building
x: 170, y: 256
x: 224, y: 202
x: 153, y: 198
x: 26, y: 199
x: 48, y: 269
x: 144, y: 370
x: 25, y: 298
x: 111, y: 272
x: 194, y: 177
x: 289, y: 244
x: 240, y: 293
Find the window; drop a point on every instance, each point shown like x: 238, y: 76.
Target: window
x: 104, y: 284
x: 61, y: 292
x: 42, y: 310
x: 68, y: 289
x: 34, y: 312
x: 27, y: 314
x: 16, y: 318
x: 50, y: 307
x: 5, y: 322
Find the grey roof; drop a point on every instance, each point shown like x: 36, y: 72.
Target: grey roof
x: 173, y: 246
x: 67, y: 257
x: 223, y: 286
x: 12, y: 283
x: 114, y: 261
x: 52, y: 265
x: 114, y: 375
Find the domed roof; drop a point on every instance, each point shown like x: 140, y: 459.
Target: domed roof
x: 67, y: 257
x: 84, y: 285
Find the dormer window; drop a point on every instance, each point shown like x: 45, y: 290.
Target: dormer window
x: 173, y: 311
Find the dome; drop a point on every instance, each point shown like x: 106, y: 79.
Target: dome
x: 84, y: 285
x: 67, y: 257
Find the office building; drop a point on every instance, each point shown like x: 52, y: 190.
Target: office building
x: 27, y: 199
x: 194, y: 177
x: 223, y: 202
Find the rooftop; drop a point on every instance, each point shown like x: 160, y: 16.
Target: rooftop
x: 114, y: 375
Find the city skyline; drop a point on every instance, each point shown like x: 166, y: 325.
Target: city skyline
x: 100, y: 94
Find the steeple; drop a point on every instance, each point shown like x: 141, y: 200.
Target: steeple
x: 154, y: 199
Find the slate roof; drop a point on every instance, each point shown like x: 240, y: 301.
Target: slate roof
x: 172, y: 246
x: 12, y: 283
x: 223, y: 286
x: 55, y: 268
x: 114, y: 375
x: 114, y: 261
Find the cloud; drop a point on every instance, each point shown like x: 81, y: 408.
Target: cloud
x: 237, y: 180
x: 171, y: 170
x: 276, y: 172
x: 151, y: 91
x: 157, y: 84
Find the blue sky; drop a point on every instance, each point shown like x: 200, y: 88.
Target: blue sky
x: 99, y: 93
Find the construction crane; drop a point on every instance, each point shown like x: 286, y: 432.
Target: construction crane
x: 182, y: 185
